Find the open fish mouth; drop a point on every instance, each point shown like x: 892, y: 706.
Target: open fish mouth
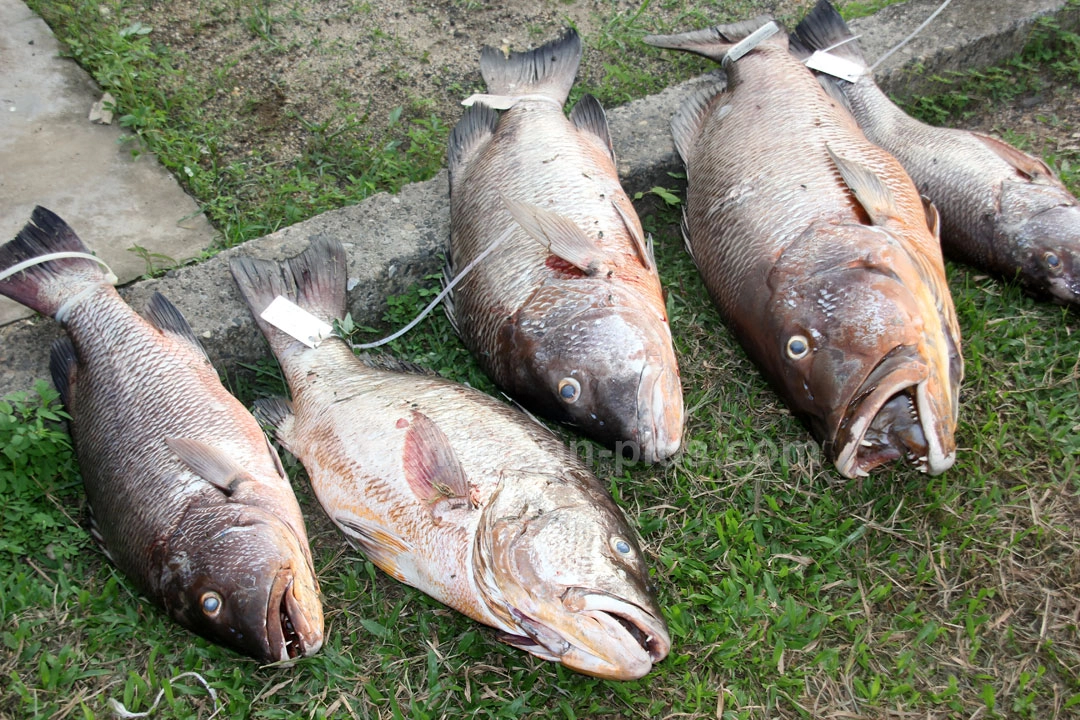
x: 890, y: 418
x: 607, y: 637
x: 288, y: 629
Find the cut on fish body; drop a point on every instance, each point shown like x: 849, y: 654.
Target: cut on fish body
x: 454, y: 492
x: 567, y: 315
x: 820, y: 254
x: 1002, y: 210
x: 187, y: 497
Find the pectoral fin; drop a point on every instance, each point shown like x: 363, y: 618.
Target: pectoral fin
x: 209, y: 463
x: 432, y: 468
x: 875, y: 197
x: 557, y: 233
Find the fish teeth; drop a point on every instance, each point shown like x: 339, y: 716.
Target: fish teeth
x: 866, y: 443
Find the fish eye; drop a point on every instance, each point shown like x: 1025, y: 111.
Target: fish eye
x: 621, y: 546
x: 211, y: 603
x: 569, y: 390
x: 1052, y: 261
x: 798, y: 346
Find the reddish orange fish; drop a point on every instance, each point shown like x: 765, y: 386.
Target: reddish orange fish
x: 820, y: 255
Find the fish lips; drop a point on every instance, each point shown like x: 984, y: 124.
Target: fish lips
x: 291, y: 632
x: 608, y: 637
x: 890, y: 417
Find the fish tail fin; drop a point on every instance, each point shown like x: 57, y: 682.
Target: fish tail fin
x: 45, y: 286
x: 314, y: 280
x: 713, y: 42
x: 823, y: 28
x: 548, y: 70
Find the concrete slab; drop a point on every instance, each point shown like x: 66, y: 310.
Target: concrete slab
x: 52, y: 155
x: 393, y: 241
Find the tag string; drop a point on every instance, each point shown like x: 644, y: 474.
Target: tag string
x: 19, y: 267
x: 914, y: 32
x: 438, y: 298
x: 122, y: 712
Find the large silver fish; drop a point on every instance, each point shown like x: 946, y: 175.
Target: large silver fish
x: 187, y: 497
x: 456, y: 493
x: 821, y: 257
x: 1002, y: 210
x: 567, y: 315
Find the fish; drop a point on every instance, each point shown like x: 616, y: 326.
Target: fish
x: 187, y: 497
x: 1002, y: 211
x: 453, y: 492
x: 820, y: 255
x: 567, y: 314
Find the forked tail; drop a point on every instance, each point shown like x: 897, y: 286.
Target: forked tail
x: 824, y: 29
x: 314, y: 280
x: 548, y: 70
x: 714, y: 42
x: 48, y: 286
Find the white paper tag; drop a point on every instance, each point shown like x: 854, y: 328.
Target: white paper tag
x: 750, y: 42
x: 835, y: 65
x: 293, y: 320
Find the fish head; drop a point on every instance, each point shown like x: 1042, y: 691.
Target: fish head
x: 239, y: 576
x: 607, y: 367
x: 1042, y: 225
x: 558, y: 564
x: 851, y: 345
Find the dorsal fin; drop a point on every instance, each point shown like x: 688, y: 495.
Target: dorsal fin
x: 637, y: 237
x: 472, y: 132
x: 163, y: 315
x: 688, y: 119
x: 209, y: 463
x: 589, y: 115
x: 1032, y: 168
x: 875, y: 197
x: 559, y: 234
x: 382, y: 361
x: 63, y: 363
x: 432, y: 468
x: 933, y: 218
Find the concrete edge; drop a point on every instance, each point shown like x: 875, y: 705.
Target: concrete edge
x: 394, y: 241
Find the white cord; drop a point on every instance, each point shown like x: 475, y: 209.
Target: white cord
x: 438, y: 298
x: 19, y: 267
x: 122, y: 712
x: 915, y: 32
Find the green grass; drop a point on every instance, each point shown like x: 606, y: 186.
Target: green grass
x: 789, y: 592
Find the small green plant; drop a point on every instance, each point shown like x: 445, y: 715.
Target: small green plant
x: 37, y: 468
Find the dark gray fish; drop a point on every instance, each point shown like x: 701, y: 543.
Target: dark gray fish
x: 188, y: 498
x: 1002, y: 210
x: 821, y: 257
x: 567, y: 315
